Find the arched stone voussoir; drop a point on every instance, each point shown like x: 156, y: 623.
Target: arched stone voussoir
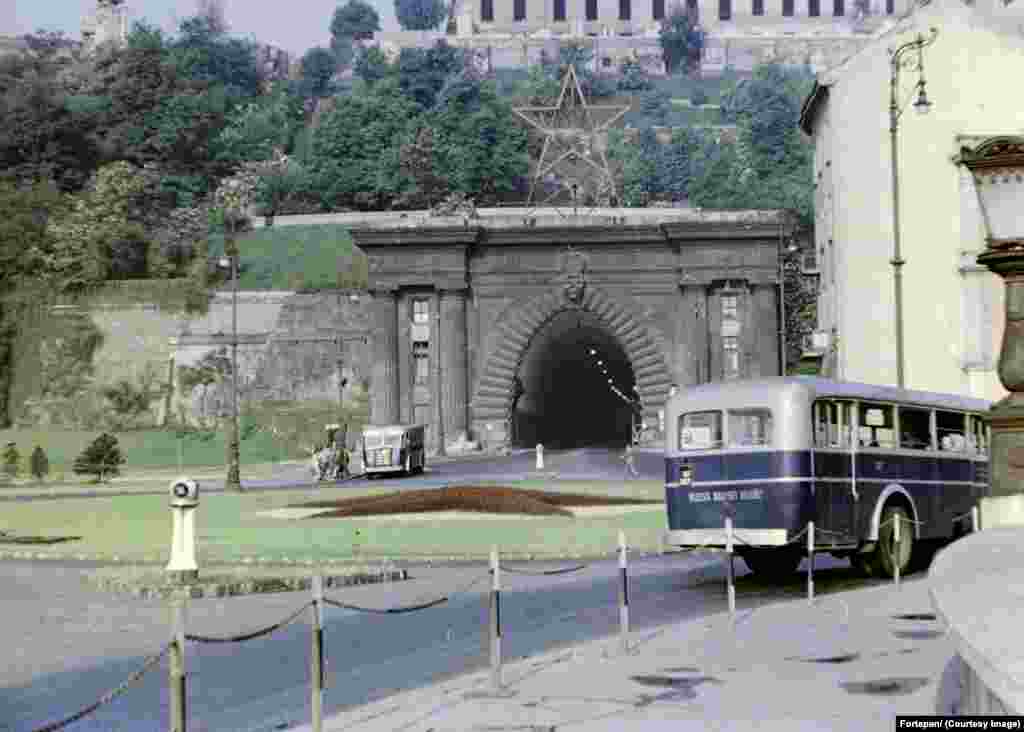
x: 521, y: 321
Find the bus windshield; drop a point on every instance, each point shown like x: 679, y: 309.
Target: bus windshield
x: 750, y: 427
x: 380, y: 440
x: 700, y: 431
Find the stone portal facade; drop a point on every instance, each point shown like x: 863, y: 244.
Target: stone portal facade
x: 689, y: 296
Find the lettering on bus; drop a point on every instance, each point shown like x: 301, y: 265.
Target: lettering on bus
x: 750, y: 494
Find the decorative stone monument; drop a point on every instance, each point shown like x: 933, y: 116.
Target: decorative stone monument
x: 182, y: 568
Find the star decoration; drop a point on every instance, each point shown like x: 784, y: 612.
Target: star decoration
x: 571, y: 130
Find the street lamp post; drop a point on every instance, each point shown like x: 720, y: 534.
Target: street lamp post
x: 233, y: 481
x: 997, y: 165
x: 922, y: 105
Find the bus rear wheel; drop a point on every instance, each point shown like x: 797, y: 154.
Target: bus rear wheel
x: 772, y: 564
x: 888, y: 553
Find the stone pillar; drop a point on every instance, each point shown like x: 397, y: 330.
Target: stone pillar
x: 384, y: 399
x: 453, y: 363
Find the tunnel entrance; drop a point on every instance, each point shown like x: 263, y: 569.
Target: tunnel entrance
x: 575, y: 387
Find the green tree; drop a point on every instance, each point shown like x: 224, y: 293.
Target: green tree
x: 255, y: 129
x: 420, y: 14
x: 39, y: 464
x: 372, y: 65
x: 355, y: 20
x: 417, y: 161
x: 633, y: 78
x: 318, y: 66
x: 102, y: 458
x: 356, y: 147
x: 681, y: 42
x: 423, y: 72
x: 12, y: 461
x: 204, y: 52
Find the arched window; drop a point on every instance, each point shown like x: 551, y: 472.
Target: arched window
x: 559, y: 10
x: 839, y: 8
x: 724, y: 9
x: 591, y: 9
x: 518, y: 10
x: 787, y: 8
x: 658, y: 9
x: 625, y: 10
x: 487, y: 11
x: 814, y: 8
x: 757, y: 7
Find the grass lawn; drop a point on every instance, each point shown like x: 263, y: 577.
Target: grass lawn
x: 138, y: 528
x: 146, y: 449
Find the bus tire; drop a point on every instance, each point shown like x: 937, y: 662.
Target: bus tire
x: 861, y: 564
x: 772, y: 564
x: 886, y: 555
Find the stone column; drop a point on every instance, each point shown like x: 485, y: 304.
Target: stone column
x: 453, y: 363
x: 384, y: 400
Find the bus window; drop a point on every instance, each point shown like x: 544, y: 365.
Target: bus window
x: 875, y: 428
x: 978, y: 444
x: 915, y: 429
x: 700, y: 431
x: 949, y: 428
x: 750, y: 427
x: 832, y: 423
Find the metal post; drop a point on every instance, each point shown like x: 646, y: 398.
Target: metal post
x: 731, y: 570
x: 782, y: 310
x: 495, y: 624
x: 897, y: 260
x: 177, y: 665
x: 540, y: 457
x: 896, y: 548
x: 233, y: 479
x: 810, y: 561
x: 623, y: 593
x: 975, y: 519
x: 317, y: 671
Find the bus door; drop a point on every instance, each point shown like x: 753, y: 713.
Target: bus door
x: 834, y: 488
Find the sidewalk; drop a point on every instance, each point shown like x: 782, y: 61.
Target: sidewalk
x: 845, y: 663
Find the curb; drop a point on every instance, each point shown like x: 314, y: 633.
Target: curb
x: 240, y: 587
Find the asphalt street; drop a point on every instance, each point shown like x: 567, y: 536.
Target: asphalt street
x: 68, y: 644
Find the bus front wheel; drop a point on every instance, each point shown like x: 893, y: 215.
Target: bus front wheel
x: 772, y: 564
x: 888, y: 552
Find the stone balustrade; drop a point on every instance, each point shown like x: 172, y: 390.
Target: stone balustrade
x: 977, y: 589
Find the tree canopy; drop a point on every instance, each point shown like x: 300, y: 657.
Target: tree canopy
x: 420, y: 14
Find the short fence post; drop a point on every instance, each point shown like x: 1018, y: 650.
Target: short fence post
x: 730, y: 570
x: 540, y: 456
x: 896, y: 547
x: 810, y: 561
x: 177, y: 665
x: 623, y: 594
x: 495, y: 620
x: 317, y: 655
x: 975, y: 519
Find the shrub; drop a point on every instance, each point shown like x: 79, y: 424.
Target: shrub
x: 101, y: 458
x: 11, y: 461
x: 39, y: 464
x: 699, y: 97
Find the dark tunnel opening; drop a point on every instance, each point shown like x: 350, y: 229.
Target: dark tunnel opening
x: 575, y: 387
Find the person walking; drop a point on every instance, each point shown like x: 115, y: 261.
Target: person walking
x: 630, y: 460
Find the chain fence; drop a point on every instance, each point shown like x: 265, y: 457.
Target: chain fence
x: 807, y: 535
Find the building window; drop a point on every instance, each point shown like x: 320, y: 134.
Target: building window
x: 421, y: 362
x: 591, y: 9
x: 624, y: 10
x: 691, y: 10
x: 559, y: 10
x: 518, y: 10
x: 838, y: 8
x: 658, y: 9
x: 487, y: 11
x: 731, y: 357
x: 814, y: 8
x: 420, y: 311
x: 890, y: 7
x: 758, y: 7
x: 724, y: 9
x: 730, y: 307
x: 787, y: 8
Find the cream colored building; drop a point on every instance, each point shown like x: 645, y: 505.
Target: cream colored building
x: 953, y: 309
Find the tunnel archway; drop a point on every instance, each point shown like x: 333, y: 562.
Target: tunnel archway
x: 499, y: 389
x: 574, y: 387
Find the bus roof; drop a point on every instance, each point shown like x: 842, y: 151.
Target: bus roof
x: 844, y: 389
x: 391, y: 428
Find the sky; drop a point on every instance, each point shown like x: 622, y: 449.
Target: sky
x: 295, y: 25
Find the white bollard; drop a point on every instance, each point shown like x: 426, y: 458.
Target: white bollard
x: 182, y: 566
x: 810, y: 561
x: 896, y: 541
x: 540, y: 456
x: 975, y: 519
x: 623, y: 593
x: 495, y: 620
x: 731, y: 573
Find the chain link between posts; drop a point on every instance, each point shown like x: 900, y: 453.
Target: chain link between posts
x: 407, y: 608
x: 147, y: 666
x: 248, y: 636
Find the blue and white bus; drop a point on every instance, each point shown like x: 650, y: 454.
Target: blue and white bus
x: 774, y: 454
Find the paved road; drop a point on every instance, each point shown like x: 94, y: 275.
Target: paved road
x: 580, y: 464
x: 67, y: 645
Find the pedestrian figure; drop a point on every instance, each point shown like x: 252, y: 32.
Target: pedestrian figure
x: 629, y: 459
